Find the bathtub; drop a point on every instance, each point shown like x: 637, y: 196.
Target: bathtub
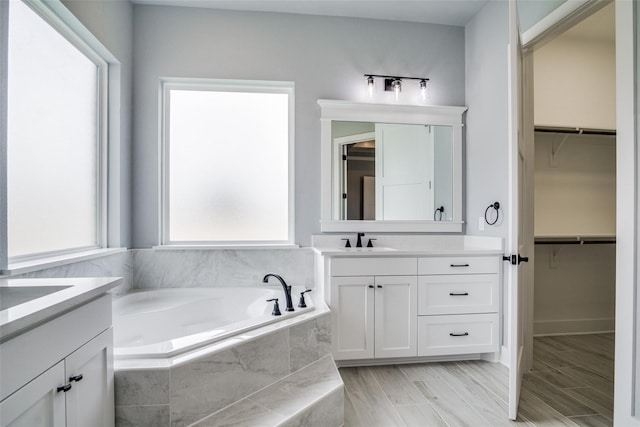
x: 166, y: 323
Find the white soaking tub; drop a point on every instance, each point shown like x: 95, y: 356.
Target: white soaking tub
x: 165, y: 323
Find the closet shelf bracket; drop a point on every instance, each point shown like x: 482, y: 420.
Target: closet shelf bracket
x: 556, y: 145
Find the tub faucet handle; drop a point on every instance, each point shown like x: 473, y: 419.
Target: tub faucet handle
x: 276, y: 307
x: 302, y: 303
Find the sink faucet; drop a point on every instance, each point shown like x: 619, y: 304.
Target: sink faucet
x: 285, y: 287
x: 359, y: 242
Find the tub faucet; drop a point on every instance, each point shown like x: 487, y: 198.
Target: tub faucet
x: 285, y: 287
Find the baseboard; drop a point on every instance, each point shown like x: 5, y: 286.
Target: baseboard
x: 574, y: 326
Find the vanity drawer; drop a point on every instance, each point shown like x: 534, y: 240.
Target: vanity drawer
x: 373, y: 266
x: 458, y: 294
x: 458, y: 265
x: 458, y: 334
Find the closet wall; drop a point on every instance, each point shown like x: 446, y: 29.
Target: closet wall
x: 575, y: 184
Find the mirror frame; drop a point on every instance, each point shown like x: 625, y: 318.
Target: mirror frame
x: 348, y: 111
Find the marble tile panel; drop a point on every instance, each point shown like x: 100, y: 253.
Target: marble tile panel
x: 141, y: 387
x: 310, y: 341
x: 115, y: 265
x: 327, y: 412
x: 207, y: 385
x: 142, y: 416
x: 242, y: 414
x: 301, y: 388
x: 221, y: 267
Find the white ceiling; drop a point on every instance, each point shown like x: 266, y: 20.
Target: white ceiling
x: 448, y: 12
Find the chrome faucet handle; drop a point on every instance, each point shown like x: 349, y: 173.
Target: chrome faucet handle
x: 302, y: 303
x: 276, y: 307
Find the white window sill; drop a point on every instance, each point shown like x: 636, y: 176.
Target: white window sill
x: 237, y: 247
x: 56, y: 261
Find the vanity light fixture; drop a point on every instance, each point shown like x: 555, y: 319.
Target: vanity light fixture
x: 394, y: 83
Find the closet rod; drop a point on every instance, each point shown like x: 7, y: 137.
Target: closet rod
x: 575, y: 241
x: 577, y: 131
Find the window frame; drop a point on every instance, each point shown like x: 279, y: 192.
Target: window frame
x: 221, y: 85
x: 108, y: 83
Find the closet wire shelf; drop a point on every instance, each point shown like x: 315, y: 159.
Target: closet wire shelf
x: 575, y: 240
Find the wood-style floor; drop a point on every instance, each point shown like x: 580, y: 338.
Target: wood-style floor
x: 571, y: 384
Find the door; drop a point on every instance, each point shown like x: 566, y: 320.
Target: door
x: 37, y: 404
x: 90, y: 371
x: 396, y: 316
x: 520, y: 241
x: 404, y: 179
x: 352, y: 313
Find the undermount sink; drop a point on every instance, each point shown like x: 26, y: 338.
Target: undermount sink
x: 374, y: 249
x: 15, y: 295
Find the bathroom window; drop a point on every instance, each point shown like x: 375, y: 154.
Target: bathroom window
x: 227, y: 163
x: 56, y: 136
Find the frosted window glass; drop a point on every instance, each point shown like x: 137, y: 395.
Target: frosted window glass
x: 228, y: 166
x: 52, y: 139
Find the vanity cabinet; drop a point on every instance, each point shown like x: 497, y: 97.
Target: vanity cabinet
x: 374, y: 315
x: 458, y: 305
x: 61, y: 372
x: 395, y: 307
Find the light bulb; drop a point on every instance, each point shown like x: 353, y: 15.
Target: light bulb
x: 397, y: 87
x: 370, y: 82
x: 424, y: 90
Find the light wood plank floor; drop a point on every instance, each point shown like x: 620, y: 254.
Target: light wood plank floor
x: 571, y: 384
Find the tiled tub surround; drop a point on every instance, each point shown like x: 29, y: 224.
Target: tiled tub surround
x: 182, y: 390
x: 197, y: 268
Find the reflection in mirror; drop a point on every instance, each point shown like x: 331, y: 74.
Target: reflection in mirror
x: 392, y: 171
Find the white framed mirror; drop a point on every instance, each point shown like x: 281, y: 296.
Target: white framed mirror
x: 391, y: 168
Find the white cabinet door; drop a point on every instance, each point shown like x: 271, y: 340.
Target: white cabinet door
x: 90, y: 373
x: 352, y: 314
x: 37, y: 404
x: 396, y: 316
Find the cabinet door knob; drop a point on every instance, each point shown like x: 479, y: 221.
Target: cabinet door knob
x: 65, y: 388
x: 464, y: 334
x: 75, y: 378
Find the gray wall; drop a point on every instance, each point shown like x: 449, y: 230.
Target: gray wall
x: 486, y: 130
x: 326, y: 57
x: 111, y: 22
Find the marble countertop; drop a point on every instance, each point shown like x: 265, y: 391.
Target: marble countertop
x: 391, y: 252
x: 25, y: 303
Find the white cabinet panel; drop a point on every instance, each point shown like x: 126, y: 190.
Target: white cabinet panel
x: 90, y: 372
x: 396, y: 316
x: 352, y: 312
x: 458, y: 265
x: 371, y: 266
x: 37, y: 404
x: 458, y: 294
x: 458, y: 334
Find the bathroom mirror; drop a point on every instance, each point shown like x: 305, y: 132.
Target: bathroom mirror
x: 393, y: 168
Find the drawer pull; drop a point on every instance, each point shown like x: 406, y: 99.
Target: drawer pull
x: 64, y: 388
x: 459, y: 294
x: 459, y: 265
x: 464, y: 334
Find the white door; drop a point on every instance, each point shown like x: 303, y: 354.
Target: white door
x: 90, y: 371
x: 352, y: 314
x: 396, y: 318
x: 520, y: 241
x: 404, y: 180
x: 37, y: 404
